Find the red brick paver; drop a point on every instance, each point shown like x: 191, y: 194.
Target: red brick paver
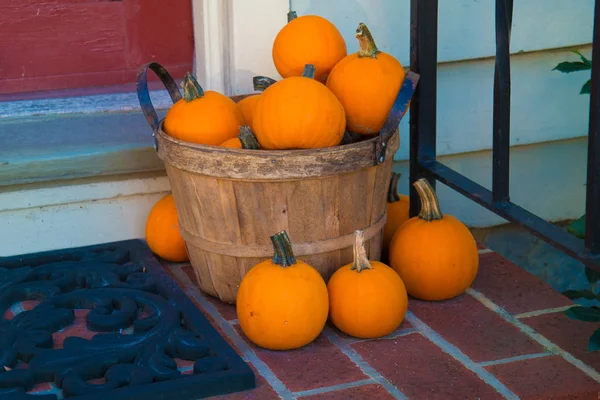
x: 421, y: 370
x: 320, y: 363
x: 546, y: 378
x: 571, y: 335
x: 479, y: 332
x: 370, y: 392
x: 512, y: 288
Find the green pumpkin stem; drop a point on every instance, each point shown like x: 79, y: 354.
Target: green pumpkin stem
x: 430, y: 205
x: 262, y: 82
x: 284, y: 255
x: 248, y: 139
x: 393, y: 195
x: 367, y: 45
x: 309, y: 71
x: 191, y: 88
x: 361, y: 261
x: 291, y: 15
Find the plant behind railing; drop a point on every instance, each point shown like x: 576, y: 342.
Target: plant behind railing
x: 577, y: 228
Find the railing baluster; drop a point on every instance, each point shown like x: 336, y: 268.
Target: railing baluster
x: 501, y: 123
x: 423, y: 60
x: 592, y: 209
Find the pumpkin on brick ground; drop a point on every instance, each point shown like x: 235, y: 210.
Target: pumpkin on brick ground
x: 367, y: 84
x: 245, y: 140
x: 282, y: 303
x: 298, y: 113
x: 435, y: 254
x: 201, y: 117
x: 398, y: 212
x: 367, y: 299
x: 309, y: 39
x: 162, y: 231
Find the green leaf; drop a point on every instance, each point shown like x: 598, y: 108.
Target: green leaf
x: 578, y: 294
x: 577, y: 227
x: 594, y: 342
x: 571, y: 66
x: 592, y: 275
x: 586, y: 314
x: 583, y: 59
x: 585, y: 89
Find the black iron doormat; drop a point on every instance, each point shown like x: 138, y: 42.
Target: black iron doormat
x: 107, y: 322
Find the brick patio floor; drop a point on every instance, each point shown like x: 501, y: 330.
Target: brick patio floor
x: 505, y: 338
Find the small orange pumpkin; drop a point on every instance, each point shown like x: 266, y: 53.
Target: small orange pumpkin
x: 367, y: 84
x: 309, y: 39
x: 245, y: 140
x: 203, y: 117
x: 247, y: 104
x: 162, y: 231
x: 435, y: 254
x: 282, y: 304
x: 298, y: 113
x: 398, y: 212
x: 366, y: 299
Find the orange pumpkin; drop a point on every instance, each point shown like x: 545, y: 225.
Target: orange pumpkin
x: 247, y: 104
x: 282, y: 303
x: 162, y: 231
x: 309, y: 39
x: 367, y: 84
x: 398, y: 212
x: 203, y: 117
x: 366, y: 299
x: 298, y: 113
x: 245, y: 140
x: 435, y: 254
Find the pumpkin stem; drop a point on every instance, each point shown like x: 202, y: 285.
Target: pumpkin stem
x: 262, y: 82
x: 368, y: 48
x: 430, y: 205
x: 248, y: 139
x: 284, y: 255
x: 393, y: 195
x: 309, y: 71
x: 191, y: 88
x: 291, y: 15
x: 361, y: 261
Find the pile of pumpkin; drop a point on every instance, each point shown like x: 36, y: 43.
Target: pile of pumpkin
x: 283, y: 303
x: 324, y: 93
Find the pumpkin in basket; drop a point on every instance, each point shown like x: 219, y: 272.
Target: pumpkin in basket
x: 245, y: 140
x: 367, y: 84
x: 435, y: 254
x: 367, y: 299
x: 203, y: 117
x: 162, y: 231
x: 248, y: 103
x: 298, y: 113
x: 308, y: 39
x: 398, y: 211
x: 282, y: 303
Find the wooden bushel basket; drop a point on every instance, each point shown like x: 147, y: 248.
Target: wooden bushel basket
x: 230, y: 201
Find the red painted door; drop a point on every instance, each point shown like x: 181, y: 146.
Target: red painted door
x: 72, y: 44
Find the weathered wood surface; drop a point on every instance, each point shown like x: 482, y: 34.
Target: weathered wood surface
x: 268, y: 165
x: 228, y: 213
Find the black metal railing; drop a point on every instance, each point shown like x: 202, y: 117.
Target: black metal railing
x: 423, y: 163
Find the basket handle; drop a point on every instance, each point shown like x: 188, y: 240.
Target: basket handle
x: 396, y: 113
x: 144, y: 94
